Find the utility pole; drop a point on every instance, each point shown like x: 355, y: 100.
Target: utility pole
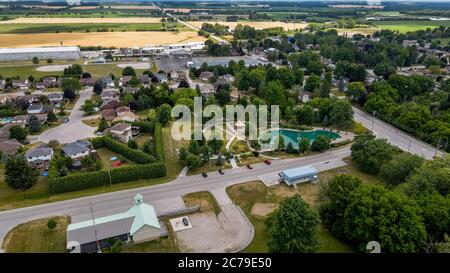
x: 99, y: 250
x: 409, y: 145
x: 110, y: 180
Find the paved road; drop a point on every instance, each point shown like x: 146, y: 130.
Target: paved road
x: 75, y: 129
x: 163, y: 195
x: 395, y: 136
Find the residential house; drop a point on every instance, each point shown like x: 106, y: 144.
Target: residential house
x: 41, y: 117
x: 173, y: 75
x: 40, y: 86
x: 304, y: 96
x: 9, y: 146
x: 2, y: 84
x: 50, y: 82
x: 109, y: 114
x: 77, y: 150
x: 206, y: 75
x: 224, y: 79
x: 139, y: 224
x: 162, y: 78
x: 39, y: 158
x: 35, y: 108
x: 20, y: 84
x: 20, y: 120
x: 109, y: 94
x: 8, y: 97
x: 121, y: 131
x: 55, y: 98
x: 87, y: 81
x: 125, y: 117
x: 131, y: 90
x: 122, y: 109
x: 125, y: 80
x: 4, y: 131
x: 107, y: 82
x: 112, y: 104
x: 207, y: 89
x: 144, y: 80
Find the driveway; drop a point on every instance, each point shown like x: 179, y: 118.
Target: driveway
x: 75, y: 129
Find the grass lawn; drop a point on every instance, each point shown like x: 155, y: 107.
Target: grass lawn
x: 36, y: 237
x: 162, y: 245
x: 142, y: 139
x: 239, y: 147
x: 248, y: 194
x: 173, y: 165
x: 105, y: 157
x: 204, y: 199
x: 211, y: 167
x: 94, y: 122
x: 414, y: 25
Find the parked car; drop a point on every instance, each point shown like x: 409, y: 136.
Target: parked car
x: 221, y: 172
x: 185, y: 221
x: 256, y: 153
x: 249, y: 166
x: 204, y: 174
x: 268, y: 162
x: 66, y: 120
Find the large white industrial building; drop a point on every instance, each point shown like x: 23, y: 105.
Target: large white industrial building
x: 22, y: 54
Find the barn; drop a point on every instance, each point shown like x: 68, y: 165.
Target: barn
x: 23, y: 54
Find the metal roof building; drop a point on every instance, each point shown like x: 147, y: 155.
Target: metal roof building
x: 57, y: 52
x: 139, y: 224
x: 300, y: 175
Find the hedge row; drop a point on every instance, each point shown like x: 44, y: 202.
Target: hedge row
x: 80, y: 181
x: 145, y: 126
x: 159, y: 142
x: 134, y: 155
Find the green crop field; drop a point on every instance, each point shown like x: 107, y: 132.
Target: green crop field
x: 99, y: 27
x: 414, y: 25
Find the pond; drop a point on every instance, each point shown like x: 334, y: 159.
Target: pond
x: 294, y: 136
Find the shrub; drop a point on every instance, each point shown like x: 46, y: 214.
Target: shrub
x: 136, y: 156
x: 79, y: 181
x: 51, y: 224
x: 98, y: 142
x: 158, y: 140
x: 145, y: 126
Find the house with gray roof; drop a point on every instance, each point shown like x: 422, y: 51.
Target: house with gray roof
x: 139, y: 224
x: 39, y: 158
x: 78, y: 149
x: 35, y: 108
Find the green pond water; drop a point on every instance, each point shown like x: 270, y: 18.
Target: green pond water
x: 294, y: 136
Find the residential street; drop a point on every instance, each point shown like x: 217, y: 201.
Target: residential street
x: 163, y: 196
x: 75, y: 129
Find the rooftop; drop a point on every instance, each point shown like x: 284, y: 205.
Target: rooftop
x: 39, y: 49
x: 304, y: 170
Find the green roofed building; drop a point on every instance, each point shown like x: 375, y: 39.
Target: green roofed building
x: 139, y: 224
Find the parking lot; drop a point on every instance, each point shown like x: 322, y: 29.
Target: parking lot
x: 172, y: 64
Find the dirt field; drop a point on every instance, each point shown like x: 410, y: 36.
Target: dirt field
x: 106, y: 39
x: 257, y: 25
x: 38, y: 20
x: 263, y: 209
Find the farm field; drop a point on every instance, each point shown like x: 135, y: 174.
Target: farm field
x: 255, y: 24
x: 67, y: 20
x: 405, y: 26
x: 88, y: 27
x: 105, y: 39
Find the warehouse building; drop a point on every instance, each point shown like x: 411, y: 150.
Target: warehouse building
x: 23, y: 54
x: 300, y: 175
x: 223, y: 61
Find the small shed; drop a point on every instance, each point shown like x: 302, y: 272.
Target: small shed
x: 300, y: 175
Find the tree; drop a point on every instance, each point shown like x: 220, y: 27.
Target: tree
x: 18, y: 175
x: 194, y: 147
x: 290, y: 148
x: 34, y: 125
x: 132, y: 144
x: 219, y: 161
x: 384, y: 69
x: 223, y: 94
x: 51, y: 224
x: 103, y: 125
x: 18, y: 133
x: 128, y: 71
x: 35, y: 60
x: 71, y: 83
x: 369, y: 154
x: 69, y: 93
x: 359, y: 213
x: 88, y: 107
x: 164, y: 113
x: 356, y: 90
x: 305, y: 114
x: 444, y: 247
x: 98, y: 87
x: 74, y: 70
x: 274, y: 94
x: 312, y: 83
x: 51, y: 117
x: 53, y: 144
x: 321, y: 143
x: 303, y: 145
x: 293, y: 227
x: 341, y: 114
x: 182, y: 154
x: 193, y: 161
x: 397, y: 170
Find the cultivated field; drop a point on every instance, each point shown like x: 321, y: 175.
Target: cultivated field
x: 149, y: 7
x: 66, y: 20
x: 106, y: 39
x: 405, y: 26
x: 257, y: 25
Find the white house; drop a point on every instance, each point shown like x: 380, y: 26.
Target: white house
x: 39, y: 158
x: 121, y: 131
x: 35, y: 108
x: 77, y: 150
